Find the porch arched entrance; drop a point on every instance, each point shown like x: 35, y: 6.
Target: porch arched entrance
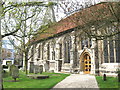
x: 85, y: 63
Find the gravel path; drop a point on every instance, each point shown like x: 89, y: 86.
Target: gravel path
x: 78, y: 81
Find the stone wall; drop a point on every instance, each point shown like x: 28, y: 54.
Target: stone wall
x: 56, y: 62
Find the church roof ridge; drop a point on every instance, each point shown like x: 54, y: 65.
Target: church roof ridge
x: 90, y: 15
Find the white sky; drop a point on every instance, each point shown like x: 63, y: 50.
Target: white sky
x: 59, y: 14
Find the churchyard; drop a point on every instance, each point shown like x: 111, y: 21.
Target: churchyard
x: 15, y: 78
x: 111, y: 82
x: 25, y: 82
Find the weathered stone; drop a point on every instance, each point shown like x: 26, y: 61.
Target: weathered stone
x: 72, y: 46
x: 41, y: 69
x: 51, y: 71
x: 10, y: 69
x: 38, y: 76
x: 46, y: 66
x: 14, y: 71
x: 3, y: 73
x: 31, y: 70
x: 36, y: 69
x: 104, y: 77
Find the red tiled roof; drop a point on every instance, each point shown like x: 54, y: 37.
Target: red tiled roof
x: 88, y: 15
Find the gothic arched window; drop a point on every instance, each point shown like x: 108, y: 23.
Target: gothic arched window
x: 111, y: 50
x: 105, y: 51
x: 67, y: 47
x: 53, y: 50
x: 48, y: 52
x: 42, y: 48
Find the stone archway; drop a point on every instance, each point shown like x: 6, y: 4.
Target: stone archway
x: 85, y: 63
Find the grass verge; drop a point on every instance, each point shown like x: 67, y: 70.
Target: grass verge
x: 111, y: 82
x: 25, y: 82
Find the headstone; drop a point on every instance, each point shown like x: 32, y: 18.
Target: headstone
x: 36, y: 69
x: 31, y: 70
x: 3, y: 73
x: 41, y: 69
x: 52, y: 71
x: 104, y: 77
x: 14, y: 71
x: 10, y: 69
x: 46, y: 66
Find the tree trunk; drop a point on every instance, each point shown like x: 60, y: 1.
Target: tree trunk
x: 26, y: 62
x: 23, y: 62
x: 1, y: 83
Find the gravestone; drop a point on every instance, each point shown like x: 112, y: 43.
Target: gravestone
x: 36, y: 69
x: 118, y: 72
x: 104, y: 77
x: 31, y: 70
x: 41, y: 69
x: 3, y: 73
x: 10, y: 69
x: 51, y: 71
x: 46, y: 66
x: 14, y: 72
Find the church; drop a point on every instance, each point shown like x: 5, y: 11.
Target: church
x: 86, y: 42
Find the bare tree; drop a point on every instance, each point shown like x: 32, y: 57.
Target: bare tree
x: 16, y: 22
x: 69, y: 7
x: 28, y: 29
x: 6, y: 53
x: 1, y: 11
x: 29, y: 19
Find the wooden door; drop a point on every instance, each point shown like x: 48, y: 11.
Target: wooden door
x: 87, y: 64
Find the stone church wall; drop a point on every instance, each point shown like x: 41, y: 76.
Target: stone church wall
x: 65, y: 53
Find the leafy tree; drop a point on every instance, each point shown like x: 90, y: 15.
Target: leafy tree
x: 31, y: 23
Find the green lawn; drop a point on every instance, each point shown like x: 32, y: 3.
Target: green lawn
x: 25, y: 82
x: 111, y: 82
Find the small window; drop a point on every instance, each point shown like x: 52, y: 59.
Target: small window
x: 48, y: 52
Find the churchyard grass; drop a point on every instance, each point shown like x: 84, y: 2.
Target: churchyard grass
x: 24, y: 82
x: 111, y: 82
